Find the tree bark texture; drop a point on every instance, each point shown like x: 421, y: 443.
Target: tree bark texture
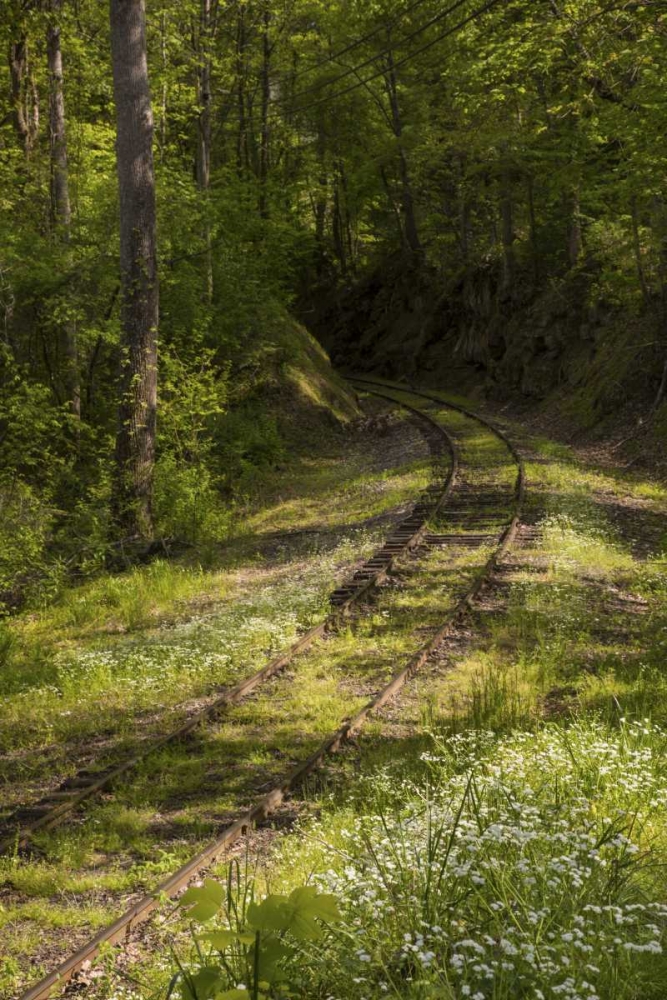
x: 135, y: 439
x: 407, y: 198
x: 266, y: 129
x: 61, y: 214
x: 203, y: 158
x: 25, y: 99
x: 507, y: 230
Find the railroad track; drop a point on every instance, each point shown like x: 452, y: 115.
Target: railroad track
x: 55, y: 807
x: 472, y: 507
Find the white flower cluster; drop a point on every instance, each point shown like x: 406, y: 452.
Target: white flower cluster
x: 513, y: 876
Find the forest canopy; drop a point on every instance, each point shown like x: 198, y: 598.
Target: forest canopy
x: 288, y: 152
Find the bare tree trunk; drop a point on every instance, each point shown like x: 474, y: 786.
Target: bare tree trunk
x: 61, y: 214
x: 25, y: 98
x: 135, y: 440
x: 636, y: 245
x: 407, y: 198
x: 507, y: 229
x: 203, y: 159
x: 266, y: 98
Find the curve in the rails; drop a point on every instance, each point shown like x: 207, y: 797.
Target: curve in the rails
x: 375, y: 384
x: 57, y: 806
x: 141, y: 911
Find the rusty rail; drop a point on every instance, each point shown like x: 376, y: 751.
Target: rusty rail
x: 73, y: 792
x: 121, y: 929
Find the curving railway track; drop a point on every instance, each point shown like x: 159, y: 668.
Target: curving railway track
x: 54, y: 808
x: 478, y: 502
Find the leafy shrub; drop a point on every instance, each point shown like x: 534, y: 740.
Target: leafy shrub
x: 249, y: 441
x: 188, y: 501
x: 188, y: 504
x: 26, y: 522
x: 249, y: 951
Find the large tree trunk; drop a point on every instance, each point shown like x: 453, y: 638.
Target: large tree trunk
x: 266, y: 130
x: 60, y: 203
x: 407, y: 198
x: 135, y: 440
x: 203, y: 159
x: 25, y: 99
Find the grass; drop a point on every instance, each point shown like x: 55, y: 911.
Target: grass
x: 107, y: 660
x: 178, y: 797
x: 527, y: 785
x: 498, y: 834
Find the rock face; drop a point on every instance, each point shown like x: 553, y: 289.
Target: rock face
x: 559, y: 348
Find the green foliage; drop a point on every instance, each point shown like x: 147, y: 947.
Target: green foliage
x: 249, y: 956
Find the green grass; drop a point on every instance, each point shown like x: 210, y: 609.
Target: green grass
x: 516, y: 795
x: 109, y: 658
x: 497, y: 779
x: 176, y: 800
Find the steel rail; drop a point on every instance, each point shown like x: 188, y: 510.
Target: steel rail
x: 52, y: 809
x: 142, y: 910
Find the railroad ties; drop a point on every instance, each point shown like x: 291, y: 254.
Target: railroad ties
x: 405, y: 537
x: 478, y: 514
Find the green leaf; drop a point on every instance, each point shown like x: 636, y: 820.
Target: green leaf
x: 203, y: 902
x: 204, y: 985
x: 299, y: 914
x: 223, y: 939
x: 236, y: 995
x: 271, y: 952
x: 269, y: 915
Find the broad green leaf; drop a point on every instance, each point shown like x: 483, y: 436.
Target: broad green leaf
x: 203, y: 902
x: 204, y: 985
x: 269, y: 915
x: 223, y: 939
x: 271, y: 952
x: 299, y: 914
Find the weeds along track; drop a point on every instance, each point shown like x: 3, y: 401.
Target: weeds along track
x: 54, y: 808
x: 479, y: 504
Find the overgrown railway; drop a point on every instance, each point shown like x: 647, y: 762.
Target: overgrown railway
x: 480, y: 508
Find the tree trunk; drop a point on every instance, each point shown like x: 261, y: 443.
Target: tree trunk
x: 25, y: 99
x: 338, y: 226
x: 203, y: 159
x: 320, y: 204
x: 135, y: 440
x: 242, y: 135
x: 636, y: 245
x: 407, y: 198
x: 575, y: 241
x: 507, y: 229
x: 534, y: 243
x: 266, y: 98
x: 60, y: 203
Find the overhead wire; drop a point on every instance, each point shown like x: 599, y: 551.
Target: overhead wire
x: 399, y: 62
x: 275, y: 116
x: 361, y: 83
x: 378, y: 55
x: 333, y: 56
